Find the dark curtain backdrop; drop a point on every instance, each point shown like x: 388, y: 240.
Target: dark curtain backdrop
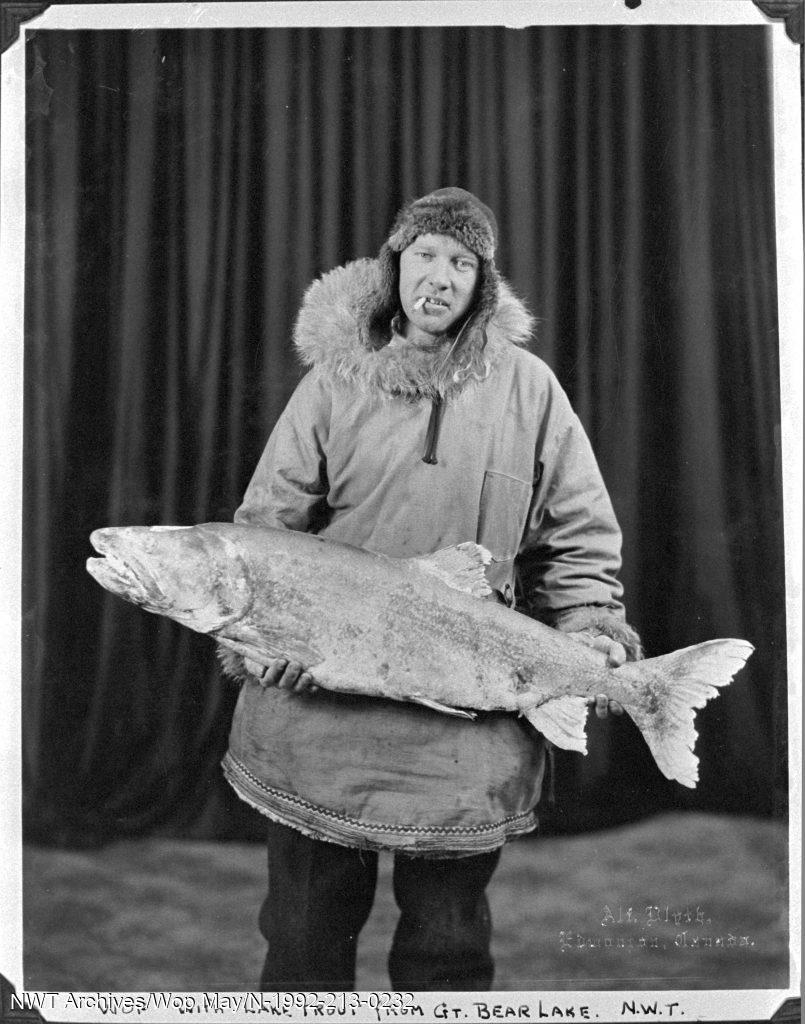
x: 184, y: 187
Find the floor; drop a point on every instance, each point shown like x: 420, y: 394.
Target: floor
x: 678, y: 901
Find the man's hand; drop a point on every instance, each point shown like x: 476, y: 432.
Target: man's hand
x: 615, y: 657
x: 287, y: 675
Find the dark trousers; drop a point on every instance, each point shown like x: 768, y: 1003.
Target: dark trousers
x: 320, y: 895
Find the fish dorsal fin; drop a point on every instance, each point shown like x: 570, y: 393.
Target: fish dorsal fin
x: 562, y: 721
x: 460, y: 567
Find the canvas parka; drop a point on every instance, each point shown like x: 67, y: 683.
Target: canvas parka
x: 515, y: 472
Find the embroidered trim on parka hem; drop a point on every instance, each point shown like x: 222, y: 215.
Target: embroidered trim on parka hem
x: 331, y: 826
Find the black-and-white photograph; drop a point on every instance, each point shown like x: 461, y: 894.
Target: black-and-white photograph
x: 402, y: 464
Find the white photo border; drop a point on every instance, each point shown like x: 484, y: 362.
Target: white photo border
x: 704, y: 1005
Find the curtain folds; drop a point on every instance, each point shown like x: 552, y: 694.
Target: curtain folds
x: 184, y: 188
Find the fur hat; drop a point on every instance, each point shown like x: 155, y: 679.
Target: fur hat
x: 447, y: 211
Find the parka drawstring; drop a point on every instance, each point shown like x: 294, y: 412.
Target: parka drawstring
x: 432, y: 438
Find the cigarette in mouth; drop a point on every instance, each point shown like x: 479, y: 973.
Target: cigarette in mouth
x: 420, y: 302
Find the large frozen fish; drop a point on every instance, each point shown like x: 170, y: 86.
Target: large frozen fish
x: 409, y: 629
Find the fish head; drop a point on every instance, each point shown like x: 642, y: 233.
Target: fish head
x: 188, y: 573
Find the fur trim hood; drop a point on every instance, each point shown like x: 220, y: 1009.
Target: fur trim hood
x: 334, y: 332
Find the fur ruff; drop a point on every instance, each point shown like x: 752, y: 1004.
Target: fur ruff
x: 332, y: 334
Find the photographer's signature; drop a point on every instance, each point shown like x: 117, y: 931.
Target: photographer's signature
x: 654, y: 926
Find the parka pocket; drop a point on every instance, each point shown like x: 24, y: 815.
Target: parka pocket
x: 505, y: 501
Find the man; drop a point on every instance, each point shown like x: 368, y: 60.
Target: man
x: 422, y: 423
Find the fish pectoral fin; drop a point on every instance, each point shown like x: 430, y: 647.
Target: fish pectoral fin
x: 460, y: 567
x: 445, y: 709
x: 264, y: 653
x: 231, y: 663
x: 561, y: 720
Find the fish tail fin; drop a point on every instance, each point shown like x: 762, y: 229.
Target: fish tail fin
x: 674, y: 686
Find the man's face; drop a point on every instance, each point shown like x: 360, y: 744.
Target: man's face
x: 441, y: 271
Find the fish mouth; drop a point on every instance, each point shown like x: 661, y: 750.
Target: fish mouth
x: 122, y: 574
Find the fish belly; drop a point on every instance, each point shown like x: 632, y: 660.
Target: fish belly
x: 404, y: 636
